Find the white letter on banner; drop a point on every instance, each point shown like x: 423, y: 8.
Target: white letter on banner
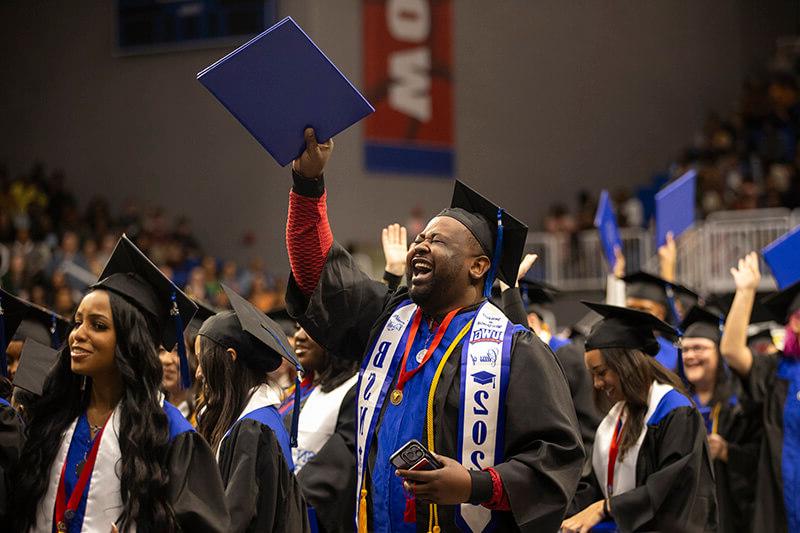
x: 408, y: 20
x: 409, y: 93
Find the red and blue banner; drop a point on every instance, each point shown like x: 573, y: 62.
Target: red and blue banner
x: 408, y: 64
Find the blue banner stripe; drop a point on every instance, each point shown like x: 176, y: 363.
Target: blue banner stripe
x: 408, y: 160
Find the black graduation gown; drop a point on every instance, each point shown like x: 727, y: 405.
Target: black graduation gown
x: 740, y: 426
x: 769, y: 393
x: 329, y: 479
x: 674, y: 480
x: 571, y: 358
x: 195, y: 491
x: 11, y: 441
x: 543, y: 449
x: 261, y: 491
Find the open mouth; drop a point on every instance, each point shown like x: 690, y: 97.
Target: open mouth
x: 421, y: 270
x: 692, y: 363
x: 78, y: 354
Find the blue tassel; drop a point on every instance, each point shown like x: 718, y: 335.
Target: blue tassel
x: 295, y: 413
x: 186, y: 377
x: 498, y: 253
x: 55, y: 342
x: 672, y: 307
x: 296, y: 408
x: 3, y: 359
x: 681, y: 372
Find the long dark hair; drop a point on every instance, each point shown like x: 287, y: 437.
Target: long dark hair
x: 225, y: 392
x: 143, y: 432
x: 636, y: 371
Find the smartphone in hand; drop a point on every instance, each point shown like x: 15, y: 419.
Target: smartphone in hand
x: 414, y: 456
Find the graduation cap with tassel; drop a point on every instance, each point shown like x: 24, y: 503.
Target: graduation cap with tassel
x: 257, y: 339
x: 500, y: 235
x: 22, y: 320
x: 131, y: 275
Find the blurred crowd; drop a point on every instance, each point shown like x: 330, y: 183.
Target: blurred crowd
x: 51, y: 249
x: 746, y: 160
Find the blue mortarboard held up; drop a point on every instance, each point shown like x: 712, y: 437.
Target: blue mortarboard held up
x: 280, y: 83
x: 783, y: 257
x: 675, y: 207
x: 606, y: 223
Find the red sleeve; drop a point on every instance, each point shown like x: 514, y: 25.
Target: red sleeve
x: 308, y: 239
x: 499, y: 500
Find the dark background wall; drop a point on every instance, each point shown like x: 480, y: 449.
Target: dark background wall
x: 551, y: 97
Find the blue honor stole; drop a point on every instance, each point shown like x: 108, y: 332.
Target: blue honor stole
x: 485, y: 365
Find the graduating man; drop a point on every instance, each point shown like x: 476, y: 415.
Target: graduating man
x: 487, y: 397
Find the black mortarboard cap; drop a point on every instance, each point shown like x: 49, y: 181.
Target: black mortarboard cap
x: 646, y: 286
x: 785, y: 303
x: 131, y: 275
x: 536, y: 295
x: 257, y: 338
x: 204, y: 312
x: 702, y: 323
x: 622, y: 327
x: 481, y: 216
x: 35, y: 363
x: 20, y: 320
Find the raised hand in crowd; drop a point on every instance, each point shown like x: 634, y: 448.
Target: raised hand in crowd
x: 395, y: 247
x: 733, y: 345
x: 619, y: 263
x: 668, y: 258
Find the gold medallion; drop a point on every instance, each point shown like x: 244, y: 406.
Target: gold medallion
x: 61, y: 527
x: 396, y: 397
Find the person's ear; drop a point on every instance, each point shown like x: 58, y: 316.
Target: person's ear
x: 232, y: 353
x: 478, y: 267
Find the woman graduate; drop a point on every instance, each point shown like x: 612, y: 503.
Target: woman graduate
x: 772, y: 383
x: 650, y: 465
x: 103, y: 447
x: 324, y: 460
x: 732, y: 423
x: 236, y: 349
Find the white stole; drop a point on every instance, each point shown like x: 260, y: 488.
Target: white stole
x: 317, y: 424
x: 104, y: 501
x: 624, y: 469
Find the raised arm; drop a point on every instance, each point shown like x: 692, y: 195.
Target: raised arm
x: 334, y: 301
x: 733, y: 345
x: 308, y: 233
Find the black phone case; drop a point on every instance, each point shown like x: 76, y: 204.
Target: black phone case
x: 410, y: 455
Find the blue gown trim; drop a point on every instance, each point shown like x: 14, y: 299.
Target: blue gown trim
x: 270, y: 417
x: 671, y: 401
x: 176, y: 422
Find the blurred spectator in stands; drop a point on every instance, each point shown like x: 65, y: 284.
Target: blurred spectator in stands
x: 558, y: 220
x: 230, y: 275
x: 196, y: 286
x: 262, y: 295
x: 213, y: 287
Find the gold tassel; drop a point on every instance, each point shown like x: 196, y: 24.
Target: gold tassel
x: 362, y: 512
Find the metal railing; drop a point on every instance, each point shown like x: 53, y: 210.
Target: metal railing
x: 705, y: 253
